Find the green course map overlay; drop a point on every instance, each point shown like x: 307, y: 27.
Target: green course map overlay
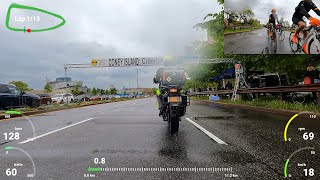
x: 18, y: 6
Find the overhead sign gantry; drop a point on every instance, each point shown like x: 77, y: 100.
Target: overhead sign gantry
x: 149, y: 61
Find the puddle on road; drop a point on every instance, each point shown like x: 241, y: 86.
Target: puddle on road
x: 237, y: 156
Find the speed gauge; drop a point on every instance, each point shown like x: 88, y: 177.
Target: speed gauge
x: 16, y: 163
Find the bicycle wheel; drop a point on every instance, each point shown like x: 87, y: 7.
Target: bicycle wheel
x: 282, y: 35
x: 312, y: 47
x: 265, y: 51
x: 294, y: 47
x: 274, y: 42
x: 298, y: 98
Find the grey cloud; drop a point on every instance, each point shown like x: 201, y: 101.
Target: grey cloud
x: 100, y: 29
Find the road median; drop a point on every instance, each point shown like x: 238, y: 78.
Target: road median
x: 47, y: 109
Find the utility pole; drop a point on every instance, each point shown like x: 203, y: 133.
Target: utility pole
x: 138, y: 78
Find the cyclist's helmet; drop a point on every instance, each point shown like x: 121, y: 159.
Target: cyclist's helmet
x: 308, y: 1
x: 273, y: 10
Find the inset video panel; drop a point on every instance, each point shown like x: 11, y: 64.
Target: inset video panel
x: 271, y: 27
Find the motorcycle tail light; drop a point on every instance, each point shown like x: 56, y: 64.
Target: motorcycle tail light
x: 174, y: 99
x: 173, y: 90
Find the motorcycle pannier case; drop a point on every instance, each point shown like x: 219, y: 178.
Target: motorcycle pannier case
x: 173, y: 77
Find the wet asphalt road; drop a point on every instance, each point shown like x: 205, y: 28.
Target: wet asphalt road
x: 130, y: 134
x: 255, y: 42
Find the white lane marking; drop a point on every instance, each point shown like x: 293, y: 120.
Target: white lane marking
x: 57, y: 130
x: 215, y: 138
x: 260, y: 34
x: 124, y: 113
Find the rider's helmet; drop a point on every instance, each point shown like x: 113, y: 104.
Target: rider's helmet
x: 273, y: 10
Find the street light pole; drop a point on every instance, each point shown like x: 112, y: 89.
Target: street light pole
x: 137, y: 82
x: 65, y: 73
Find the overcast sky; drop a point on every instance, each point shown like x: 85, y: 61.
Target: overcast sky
x: 262, y: 8
x: 98, y: 29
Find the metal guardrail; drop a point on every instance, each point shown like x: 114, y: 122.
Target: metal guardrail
x: 278, y: 89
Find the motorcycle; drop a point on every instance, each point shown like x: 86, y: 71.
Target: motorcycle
x: 174, y: 107
x: 174, y: 103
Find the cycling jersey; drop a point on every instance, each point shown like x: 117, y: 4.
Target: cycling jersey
x: 273, y: 18
x: 303, y: 10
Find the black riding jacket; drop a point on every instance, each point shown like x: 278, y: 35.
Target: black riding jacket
x: 303, y: 9
x: 273, y: 18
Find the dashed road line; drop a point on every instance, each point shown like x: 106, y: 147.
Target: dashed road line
x: 215, y: 138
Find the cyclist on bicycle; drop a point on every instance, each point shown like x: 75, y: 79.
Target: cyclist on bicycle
x: 302, y: 10
x: 272, y: 20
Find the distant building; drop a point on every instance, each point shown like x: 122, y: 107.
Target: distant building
x: 62, y: 82
x: 112, y: 87
x: 209, y: 40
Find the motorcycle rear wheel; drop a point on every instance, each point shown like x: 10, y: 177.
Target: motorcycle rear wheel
x: 173, y: 124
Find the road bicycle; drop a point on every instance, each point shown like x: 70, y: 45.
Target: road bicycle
x: 281, y: 32
x: 297, y: 98
x: 311, y: 42
x: 273, y: 38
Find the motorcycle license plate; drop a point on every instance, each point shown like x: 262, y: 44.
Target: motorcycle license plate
x: 175, y: 99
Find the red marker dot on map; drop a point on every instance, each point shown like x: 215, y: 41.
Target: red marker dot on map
x: 29, y: 30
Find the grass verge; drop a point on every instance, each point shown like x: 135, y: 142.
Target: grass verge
x: 273, y: 104
x: 231, y: 31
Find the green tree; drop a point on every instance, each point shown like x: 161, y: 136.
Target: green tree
x: 215, y: 28
x: 21, y: 85
x: 113, y: 91
x: 94, y: 91
x: 248, y: 14
x: 107, y: 92
x: 286, y: 24
x: 76, y: 90
x: 102, y: 92
x: 47, y: 88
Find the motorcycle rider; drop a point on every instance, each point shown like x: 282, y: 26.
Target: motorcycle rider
x: 161, y: 99
x: 158, y: 79
x: 302, y: 10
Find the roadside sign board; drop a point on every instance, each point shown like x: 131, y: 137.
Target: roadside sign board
x: 129, y: 62
x: 145, y: 61
x: 94, y: 62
